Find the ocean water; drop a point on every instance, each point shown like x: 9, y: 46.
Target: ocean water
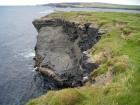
x: 18, y: 80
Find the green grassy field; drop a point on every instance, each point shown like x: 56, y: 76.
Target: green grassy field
x: 119, y: 48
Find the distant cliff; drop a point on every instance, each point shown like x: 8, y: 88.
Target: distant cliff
x: 93, y: 5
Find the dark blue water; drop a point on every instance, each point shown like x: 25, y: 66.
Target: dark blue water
x: 18, y: 81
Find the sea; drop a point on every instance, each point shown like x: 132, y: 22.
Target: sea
x: 19, y: 82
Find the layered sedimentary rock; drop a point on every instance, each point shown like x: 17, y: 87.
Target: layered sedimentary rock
x: 59, y: 50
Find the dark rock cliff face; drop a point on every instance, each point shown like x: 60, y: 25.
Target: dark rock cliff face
x: 59, y: 50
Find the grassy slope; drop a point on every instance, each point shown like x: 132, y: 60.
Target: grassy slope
x: 122, y: 42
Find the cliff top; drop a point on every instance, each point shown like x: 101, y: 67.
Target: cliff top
x: 97, y: 19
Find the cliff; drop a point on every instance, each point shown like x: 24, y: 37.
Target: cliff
x: 99, y: 50
x: 60, y: 50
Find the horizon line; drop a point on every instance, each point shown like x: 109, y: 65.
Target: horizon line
x: 39, y: 4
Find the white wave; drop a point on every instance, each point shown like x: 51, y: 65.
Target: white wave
x: 31, y: 54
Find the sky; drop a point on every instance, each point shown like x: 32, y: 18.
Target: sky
x: 34, y: 2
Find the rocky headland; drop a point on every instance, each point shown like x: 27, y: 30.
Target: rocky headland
x: 61, y: 51
x: 99, y: 50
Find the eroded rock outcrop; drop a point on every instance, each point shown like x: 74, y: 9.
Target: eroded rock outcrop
x: 59, y: 50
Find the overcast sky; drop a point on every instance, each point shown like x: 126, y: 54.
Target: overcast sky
x: 34, y: 2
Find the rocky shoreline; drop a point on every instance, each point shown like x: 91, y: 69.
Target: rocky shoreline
x: 61, y: 50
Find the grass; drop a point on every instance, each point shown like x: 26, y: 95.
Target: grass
x: 119, y: 49
x: 62, y: 97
